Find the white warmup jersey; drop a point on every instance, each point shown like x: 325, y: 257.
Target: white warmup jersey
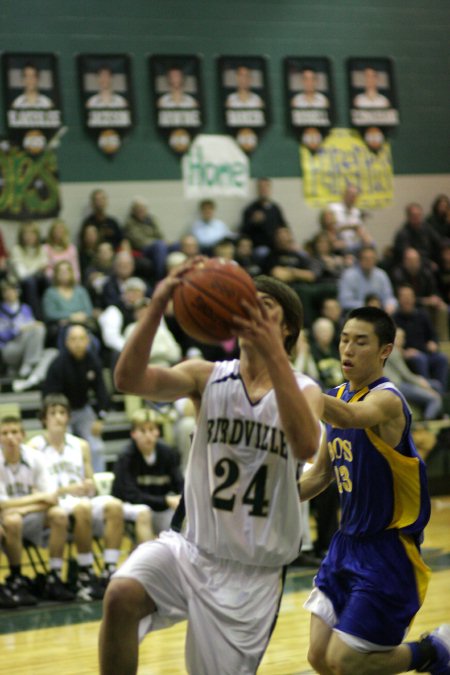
x: 25, y: 477
x: 241, y: 494
x: 64, y: 467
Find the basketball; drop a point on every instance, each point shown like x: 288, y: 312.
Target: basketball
x: 208, y: 297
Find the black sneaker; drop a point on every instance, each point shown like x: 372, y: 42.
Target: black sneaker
x: 18, y: 585
x: 56, y: 590
x: 89, y: 587
x: 6, y: 598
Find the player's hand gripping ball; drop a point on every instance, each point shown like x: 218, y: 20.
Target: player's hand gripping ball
x: 208, y: 297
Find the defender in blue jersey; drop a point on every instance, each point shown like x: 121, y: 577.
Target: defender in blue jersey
x: 373, y: 580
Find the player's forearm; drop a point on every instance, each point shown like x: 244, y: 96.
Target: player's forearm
x: 312, y: 483
x: 338, y: 413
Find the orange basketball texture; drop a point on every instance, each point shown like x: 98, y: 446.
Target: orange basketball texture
x: 208, y: 297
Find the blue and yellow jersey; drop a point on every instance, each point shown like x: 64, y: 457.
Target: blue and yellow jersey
x: 380, y: 487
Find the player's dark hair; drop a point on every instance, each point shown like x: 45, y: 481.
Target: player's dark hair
x: 51, y: 400
x: 289, y: 302
x: 11, y: 419
x: 383, y: 325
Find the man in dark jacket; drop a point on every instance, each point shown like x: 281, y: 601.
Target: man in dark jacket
x: 148, y: 472
x: 77, y: 373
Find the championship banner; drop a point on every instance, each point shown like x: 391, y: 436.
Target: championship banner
x: 177, y: 99
x: 244, y: 95
x: 215, y: 166
x: 372, y: 98
x: 29, y: 186
x: 343, y: 159
x: 32, y: 99
x: 309, y: 98
x: 106, y: 97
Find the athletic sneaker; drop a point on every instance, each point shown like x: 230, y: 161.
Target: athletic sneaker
x: 6, y: 598
x: 89, y: 587
x: 440, y: 638
x: 56, y: 590
x: 19, y: 586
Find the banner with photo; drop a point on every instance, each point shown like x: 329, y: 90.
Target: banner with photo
x: 32, y: 99
x: 344, y: 158
x: 309, y: 98
x: 372, y: 98
x: 29, y: 186
x: 106, y: 98
x: 243, y: 89
x: 177, y: 98
x: 215, y: 166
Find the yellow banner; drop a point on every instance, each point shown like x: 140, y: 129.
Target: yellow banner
x: 344, y: 158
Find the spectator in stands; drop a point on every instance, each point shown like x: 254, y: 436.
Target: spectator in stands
x: 245, y: 255
x: 148, y: 471
x: 77, y: 373
x: 145, y: 236
x: 188, y: 244
x: 439, y: 218
x: 262, y: 218
x: 326, y: 265
x: 99, y: 270
x: 4, y: 255
x: 287, y: 263
x: 350, y: 221
x: 328, y: 226
x: 426, y: 394
x: 66, y: 302
x: 123, y: 268
x: 59, y: 247
x: 29, y: 503
x: 29, y: 262
x: 89, y: 240
x: 331, y: 309
x: 418, y: 234
x: 225, y: 249
x: 421, y: 350
x: 21, y: 336
x: 443, y: 272
x: 107, y: 227
x: 68, y: 461
x: 325, y: 353
x: 207, y: 229
x: 416, y: 273
x: 363, y: 278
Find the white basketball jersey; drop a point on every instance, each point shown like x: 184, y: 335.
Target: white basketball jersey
x: 241, y: 492
x: 25, y: 477
x: 64, y: 467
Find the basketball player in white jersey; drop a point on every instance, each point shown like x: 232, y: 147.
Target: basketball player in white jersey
x: 257, y: 423
x: 68, y: 462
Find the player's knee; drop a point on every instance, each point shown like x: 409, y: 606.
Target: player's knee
x: 316, y: 658
x: 12, y: 524
x: 126, y: 599
x: 144, y: 518
x: 83, y: 512
x: 58, y: 518
x: 113, y: 509
x: 342, y: 663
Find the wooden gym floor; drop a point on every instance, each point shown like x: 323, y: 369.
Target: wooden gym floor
x: 63, y: 638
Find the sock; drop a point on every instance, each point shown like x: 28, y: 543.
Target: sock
x: 423, y: 654
x: 56, y: 566
x: 111, y: 557
x: 85, y: 560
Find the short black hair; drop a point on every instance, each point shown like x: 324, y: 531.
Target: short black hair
x: 51, y: 400
x: 289, y: 302
x: 383, y: 325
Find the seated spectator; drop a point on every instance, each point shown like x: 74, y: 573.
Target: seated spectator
x: 98, y: 271
x: 148, y: 472
x: 29, y: 262
x: 58, y: 247
x: 224, y: 249
x: 245, y: 256
x: 325, y: 353
x: 4, y: 255
x: 123, y: 267
x: 418, y: 234
x: 426, y: 394
x: 29, y: 504
x: 145, y: 236
x: 207, y: 229
x: 350, y: 222
x: 421, y: 350
x: 87, y: 247
x: 416, y: 273
x: 188, y: 244
x: 439, y: 218
x: 443, y: 272
x: 21, y: 336
x: 328, y: 266
x: 107, y: 227
x: 331, y: 309
x: 68, y: 461
x: 286, y: 263
x: 77, y: 373
x: 328, y: 226
x: 363, y: 278
x: 262, y: 218
x: 66, y: 302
